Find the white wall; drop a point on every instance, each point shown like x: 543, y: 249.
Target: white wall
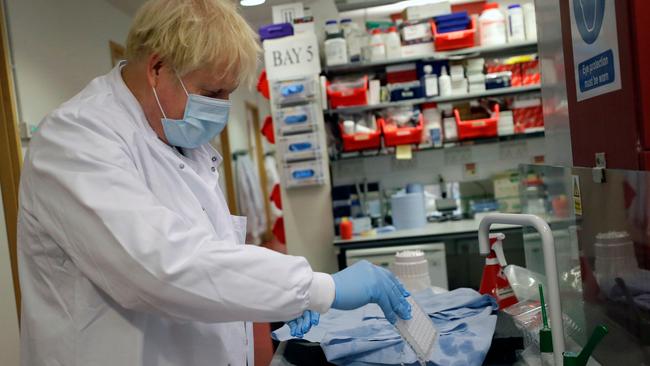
x: 58, y: 47
x: 9, y: 346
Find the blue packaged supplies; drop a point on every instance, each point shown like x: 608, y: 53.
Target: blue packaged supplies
x: 363, y: 336
x: 452, y: 22
x: 273, y: 31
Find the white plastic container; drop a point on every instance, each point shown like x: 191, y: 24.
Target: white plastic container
x: 530, y: 23
x: 615, y: 257
x: 492, y: 26
x: 506, y: 125
x: 444, y: 83
x: 412, y: 269
x: 376, y: 46
x: 393, y: 44
x: 451, y: 130
x: 516, y: 28
x: 430, y: 82
x: 353, y: 37
x: 336, y: 52
x: 433, y: 123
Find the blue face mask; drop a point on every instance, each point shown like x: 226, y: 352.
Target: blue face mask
x: 203, y: 120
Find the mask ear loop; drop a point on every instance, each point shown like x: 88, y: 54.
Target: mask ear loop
x: 158, y: 101
x: 182, y: 84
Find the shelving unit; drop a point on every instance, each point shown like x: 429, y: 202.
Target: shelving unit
x: 446, y: 99
x: 449, y: 145
x: 461, y: 54
x: 500, y: 51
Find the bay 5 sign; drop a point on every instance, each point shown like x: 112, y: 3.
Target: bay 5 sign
x: 291, y: 57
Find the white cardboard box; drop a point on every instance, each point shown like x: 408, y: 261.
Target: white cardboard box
x: 430, y: 10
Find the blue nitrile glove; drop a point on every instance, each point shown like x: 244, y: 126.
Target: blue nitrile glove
x: 302, y: 324
x: 364, y: 283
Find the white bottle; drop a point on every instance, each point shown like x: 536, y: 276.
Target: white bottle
x: 529, y: 22
x: 376, y: 46
x: 516, y: 28
x: 331, y: 27
x: 492, y: 26
x: 393, y: 44
x: 336, y: 52
x: 433, y: 120
x: 352, y: 38
x: 444, y: 82
x: 430, y: 82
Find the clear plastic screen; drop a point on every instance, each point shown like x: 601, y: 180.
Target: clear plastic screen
x: 602, y: 240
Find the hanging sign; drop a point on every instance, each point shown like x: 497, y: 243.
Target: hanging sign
x: 595, y: 47
x: 291, y: 57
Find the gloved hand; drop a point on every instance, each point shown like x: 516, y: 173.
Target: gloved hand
x: 364, y: 283
x: 302, y: 324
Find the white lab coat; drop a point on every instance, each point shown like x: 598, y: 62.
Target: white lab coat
x: 128, y: 254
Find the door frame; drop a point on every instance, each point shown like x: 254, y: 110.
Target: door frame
x: 10, y: 151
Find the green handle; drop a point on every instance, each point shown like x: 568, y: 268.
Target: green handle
x: 572, y: 359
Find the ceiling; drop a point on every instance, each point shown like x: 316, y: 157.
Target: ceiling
x: 255, y: 15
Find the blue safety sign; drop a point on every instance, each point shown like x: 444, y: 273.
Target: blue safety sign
x: 595, y: 47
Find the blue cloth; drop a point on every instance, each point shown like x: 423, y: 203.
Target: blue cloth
x: 463, y: 317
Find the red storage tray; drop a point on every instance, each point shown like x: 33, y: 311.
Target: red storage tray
x: 454, y: 40
x: 394, y: 136
x: 477, y: 128
x: 361, y: 141
x: 353, y: 94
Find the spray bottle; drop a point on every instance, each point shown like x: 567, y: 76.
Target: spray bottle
x: 494, y: 281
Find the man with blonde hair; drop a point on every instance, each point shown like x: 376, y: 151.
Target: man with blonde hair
x: 128, y: 253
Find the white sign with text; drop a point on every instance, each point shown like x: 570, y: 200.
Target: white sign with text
x: 595, y: 47
x: 291, y: 57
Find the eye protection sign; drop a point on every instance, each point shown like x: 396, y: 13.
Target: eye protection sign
x: 595, y: 47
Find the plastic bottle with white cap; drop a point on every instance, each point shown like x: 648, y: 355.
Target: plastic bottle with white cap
x: 530, y: 22
x: 444, y: 82
x: 336, y: 52
x: 516, y: 28
x: 377, y: 46
x: 393, y: 44
x: 492, y: 25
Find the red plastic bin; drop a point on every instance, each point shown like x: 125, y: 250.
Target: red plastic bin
x: 394, y: 136
x: 454, y: 40
x: 478, y: 128
x: 345, y: 94
x: 361, y: 141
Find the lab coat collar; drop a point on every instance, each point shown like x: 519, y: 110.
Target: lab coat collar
x: 128, y: 100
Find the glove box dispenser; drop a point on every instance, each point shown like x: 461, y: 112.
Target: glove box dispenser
x: 296, y: 119
x: 299, y: 147
x: 294, y: 91
x: 307, y: 173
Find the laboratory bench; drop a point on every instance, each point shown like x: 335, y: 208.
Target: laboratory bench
x: 451, y: 248
x: 507, y: 342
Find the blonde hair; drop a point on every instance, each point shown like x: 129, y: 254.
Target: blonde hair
x: 190, y: 34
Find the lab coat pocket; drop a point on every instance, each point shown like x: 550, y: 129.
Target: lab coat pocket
x: 239, y: 226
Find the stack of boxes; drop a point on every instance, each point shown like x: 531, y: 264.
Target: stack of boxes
x: 475, y: 75
x: 458, y: 80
